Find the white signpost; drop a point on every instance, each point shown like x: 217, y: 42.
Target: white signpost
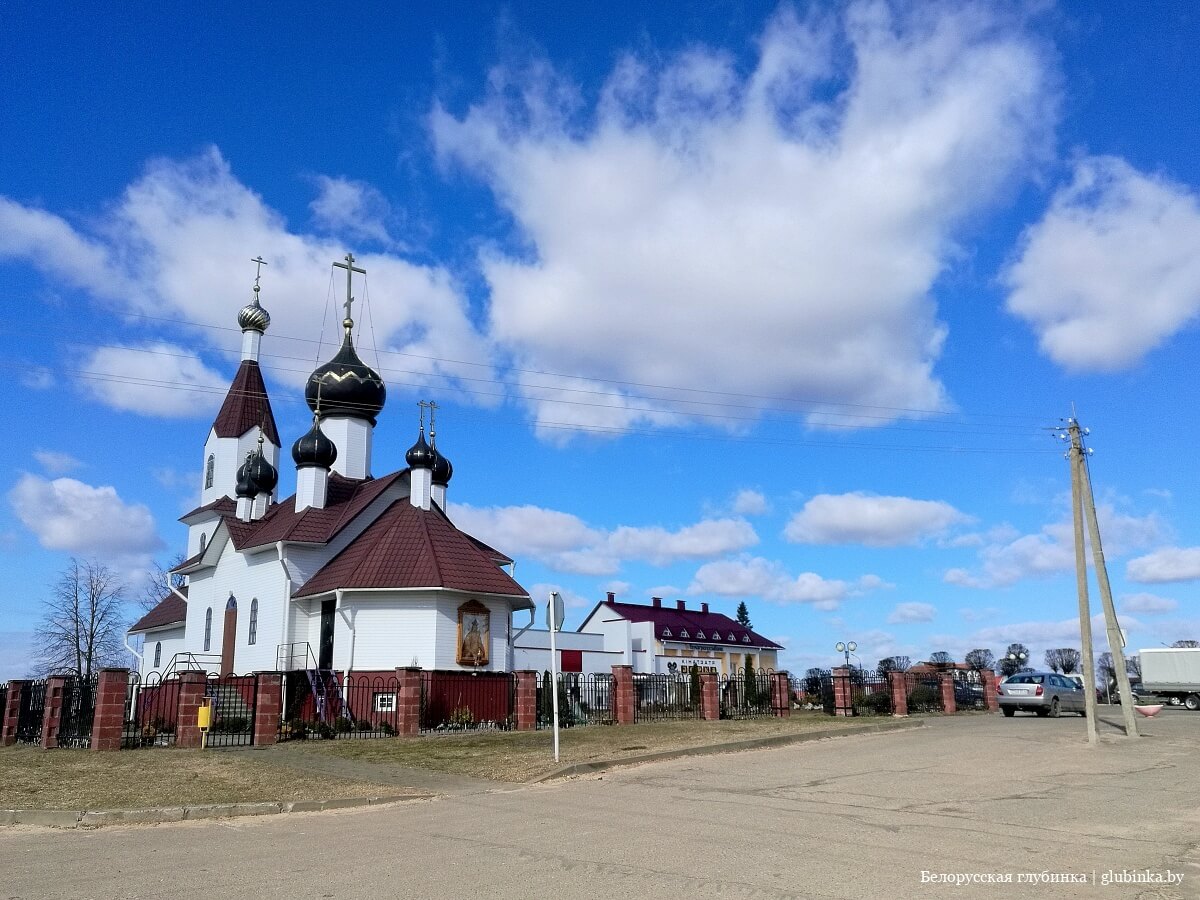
x: 554, y: 620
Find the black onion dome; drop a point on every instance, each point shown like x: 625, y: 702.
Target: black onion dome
x: 419, y: 455
x: 442, y: 470
x: 346, y: 386
x: 262, y: 474
x: 245, y: 484
x: 314, y: 449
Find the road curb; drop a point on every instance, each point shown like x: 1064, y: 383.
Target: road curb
x: 779, y: 740
x: 62, y: 818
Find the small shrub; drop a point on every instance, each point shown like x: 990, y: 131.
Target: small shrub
x: 387, y: 729
x: 342, y: 725
x: 878, y: 703
x: 233, y: 725
x: 325, y: 731
x: 924, y: 698
x: 364, y: 725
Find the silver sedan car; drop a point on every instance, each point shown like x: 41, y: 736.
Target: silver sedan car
x: 1044, y: 693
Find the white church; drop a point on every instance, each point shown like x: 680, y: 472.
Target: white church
x: 355, y: 572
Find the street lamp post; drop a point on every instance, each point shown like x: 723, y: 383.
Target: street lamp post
x: 1018, y: 658
x: 846, y: 648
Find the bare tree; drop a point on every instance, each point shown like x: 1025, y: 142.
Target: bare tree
x: 154, y: 588
x: 941, y: 659
x: 1014, y: 659
x: 980, y: 659
x: 1053, y: 660
x: 893, y: 664
x: 1186, y: 643
x: 1069, y: 659
x: 82, y: 621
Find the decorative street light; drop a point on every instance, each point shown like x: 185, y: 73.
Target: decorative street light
x: 1018, y: 658
x: 847, y: 648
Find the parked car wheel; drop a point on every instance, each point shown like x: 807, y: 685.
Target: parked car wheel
x: 1192, y: 702
x: 1008, y: 711
x: 1054, y: 710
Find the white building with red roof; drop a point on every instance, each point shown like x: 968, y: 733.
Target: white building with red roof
x: 353, y: 572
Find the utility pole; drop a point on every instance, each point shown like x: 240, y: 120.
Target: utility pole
x: 1082, y: 483
x: 1081, y: 584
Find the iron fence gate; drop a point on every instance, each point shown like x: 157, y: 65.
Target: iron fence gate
x: 924, y: 691
x: 746, y: 694
x: 233, y: 699
x: 870, y: 693
x: 31, y: 712
x: 151, y: 711
x: 78, y: 712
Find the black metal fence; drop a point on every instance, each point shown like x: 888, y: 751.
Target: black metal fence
x: 233, y: 699
x: 583, y: 699
x: 924, y: 691
x: 467, y: 701
x: 151, y: 711
x: 31, y: 712
x: 666, y: 697
x: 746, y: 694
x: 363, y: 707
x: 78, y: 712
x: 870, y: 693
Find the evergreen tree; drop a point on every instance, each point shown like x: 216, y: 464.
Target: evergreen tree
x: 695, y: 685
x: 743, y: 615
x: 751, y: 681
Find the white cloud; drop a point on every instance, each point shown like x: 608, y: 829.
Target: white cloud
x: 157, y: 379
x: 1148, y: 603
x: 750, y: 503
x: 912, y: 612
x: 540, y: 593
x: 152, y: 252
x: 16, y: 655
x: 755, y: 576
x: 1167, y: 564
x: 1111, y: 270
x: 566, y: 543
x: 56, y: 462
x: 859, y: 518
x: 37, y: 378
x: 1052, y: 550
x: 74, y: 517
x: 351, y: 209
x: 797, y: 214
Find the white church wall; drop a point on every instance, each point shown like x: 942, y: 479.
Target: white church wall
x: 446, y: 635
x: 390, y: 630
x: 228, y: 455
x: 200, y: 599
x: 169, y: 642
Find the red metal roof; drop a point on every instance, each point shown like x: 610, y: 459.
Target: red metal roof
x: 246, y: 405
x: 171, y: 610
x: 408, y: 547
x: 345, y: 499
x: 223, y: 506
x: 716, y: 627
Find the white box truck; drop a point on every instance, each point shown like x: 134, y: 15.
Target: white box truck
x: 1172, y: 672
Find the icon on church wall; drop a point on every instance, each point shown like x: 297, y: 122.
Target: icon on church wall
x: 474, y: 634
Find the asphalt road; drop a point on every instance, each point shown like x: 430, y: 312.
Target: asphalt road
x: 849, y: 817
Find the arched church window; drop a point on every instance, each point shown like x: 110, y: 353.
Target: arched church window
x: 208, y: 630
x: 158, y: 654
x: 253, y: 636
x: 209, y: 470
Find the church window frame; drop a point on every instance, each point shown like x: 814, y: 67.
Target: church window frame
x: 157, y: 654
x: 203, y: 541
x: 208, y: 629
x: 210, y: 471
x: 252, y: 632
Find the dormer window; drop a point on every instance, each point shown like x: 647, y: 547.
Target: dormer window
x: 683, y: 633
x: 700, y: 636
x: 666, y: 632
x: 731, y: 637
x: 745, y: 638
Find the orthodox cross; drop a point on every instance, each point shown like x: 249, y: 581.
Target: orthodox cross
x: 424, y: 404
x: 258, y: 272
x: 432, y: 433
x: 350, y: 268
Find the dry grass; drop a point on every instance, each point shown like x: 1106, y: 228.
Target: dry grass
x: 31, y: 778
x: 519, y: 756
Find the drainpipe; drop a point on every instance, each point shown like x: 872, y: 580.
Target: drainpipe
x: 287, y: 604
x: 339, y: 594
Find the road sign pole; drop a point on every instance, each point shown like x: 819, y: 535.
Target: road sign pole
x: 552, y: 619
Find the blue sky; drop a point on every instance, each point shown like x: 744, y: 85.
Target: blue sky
x: 720, y: 302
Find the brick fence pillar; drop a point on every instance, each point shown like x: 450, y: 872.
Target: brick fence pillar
x: 191, y: 691
x: 268, y: 708
x: 408, y: 701
x: 898, y: 685
x: 52, y: 717
x: 527, y: 683
x: 781, y: 694
x: 843, y: 702
x: 109, y: 724
x: 710, y: 702
x: 990, y: 700
x: 949, y: 707
x: 12, y: 709
x: 624, y: 697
